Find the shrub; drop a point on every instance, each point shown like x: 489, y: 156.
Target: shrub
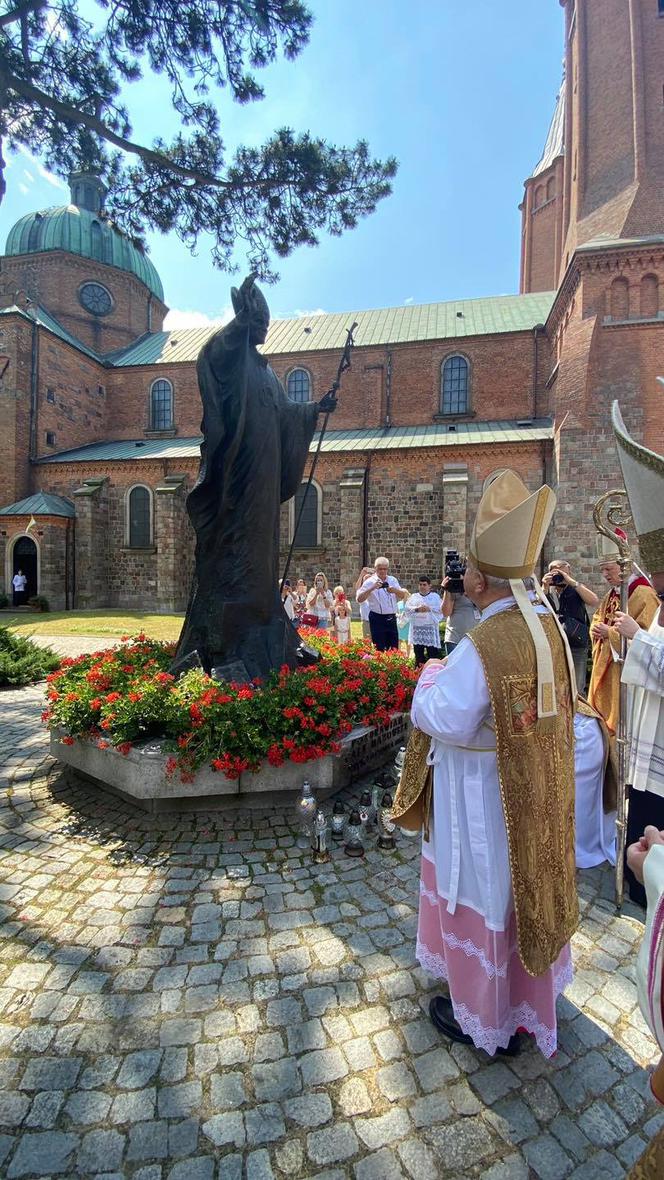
x: 123, y: 695
x: 4, y: 601
x: 38, y: 602
x: 21, y: 661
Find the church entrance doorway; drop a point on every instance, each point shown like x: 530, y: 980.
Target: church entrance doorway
x: 24, y: 557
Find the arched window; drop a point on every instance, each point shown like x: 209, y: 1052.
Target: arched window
x: 550, y: 188
x: 309, y: 529
x: 620, y: 299
x: 455, y: 386
x: 298, y: 385
x: 95, y: 241
x: 539, y: 196
x: 161, y: 405
x: 649, y: 307
x: 139, y: 518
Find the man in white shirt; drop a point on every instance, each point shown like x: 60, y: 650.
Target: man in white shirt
x: 381, y: 592
x: 19, y: 582
x: 424, y: 613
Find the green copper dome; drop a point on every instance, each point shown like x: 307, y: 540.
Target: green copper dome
x: 81, y: 228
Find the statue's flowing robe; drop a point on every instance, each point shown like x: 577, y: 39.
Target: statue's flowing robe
x: 252, y: 459
x: 604, y: 689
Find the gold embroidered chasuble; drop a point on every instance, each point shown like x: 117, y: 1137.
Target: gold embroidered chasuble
x: 604, y: 690
x: 536, y: 776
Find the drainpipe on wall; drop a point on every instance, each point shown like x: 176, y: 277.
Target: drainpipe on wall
x: 365, y: 510
x: 73, y: 564
x: 388, y: 389
x: 34, y: 391
x: 536, y: 331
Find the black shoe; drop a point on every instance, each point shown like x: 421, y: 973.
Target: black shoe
x: 442, y: 1016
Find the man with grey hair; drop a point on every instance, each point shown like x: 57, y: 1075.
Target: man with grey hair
x: 380, y: 592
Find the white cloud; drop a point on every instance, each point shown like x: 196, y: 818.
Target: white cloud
x: 299, y: 314
x: 178, y: 318
x: 43, y: 172
x: 23, y: 188
x: 410, y: 299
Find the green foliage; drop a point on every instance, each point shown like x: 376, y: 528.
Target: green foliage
x: 4, y: 601
x: 63, y: 78
x: 124, y: 695
x: 38, y: 602
x: 22, y: 662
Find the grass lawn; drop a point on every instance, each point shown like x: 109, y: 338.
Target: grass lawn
x: 105, y: 623
x: 108, y: 623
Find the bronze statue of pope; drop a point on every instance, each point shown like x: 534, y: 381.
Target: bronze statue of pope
x: 253, y: 454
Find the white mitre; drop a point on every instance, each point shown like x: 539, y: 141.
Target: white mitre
x: 506, y: 542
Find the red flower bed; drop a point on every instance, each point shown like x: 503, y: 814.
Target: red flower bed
x: 124, y: 695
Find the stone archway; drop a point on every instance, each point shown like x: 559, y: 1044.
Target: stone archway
x: 25, y: 557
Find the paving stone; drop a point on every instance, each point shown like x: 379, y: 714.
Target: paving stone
x: 183, y: 1137
x: 138, y: 1068
x: 225, y: 1128
x: 269, y: 1047
x: 380, y: 1165
x: 321, y: 1066
x: 51, y: 1073
x: 354, y: 1097
x: 43, y: 1154
x: 396, y: 1081
x: 289, y: 1157
x: 89, y: 1107
x: 434, y: 1069
x: 275, y: 1080
x: 13, y: 1108
x: 513, y: 1167
x: 180, y: 1032
x: 602, y: 1124
x: 602, y: 1166
x: 197, y: 1168
x: 259, y: 1166
x: 429, y: 1111
x: 547, y: 1158
x: 310, y: 1111
x: 359, y: 1053
x: 100, y: 1151
x: 308, y: 1035
x: 227, y: 1091
x: 264, y: 1124
x: 134, y: 1106
x: 385, y: 1128
x: 332, y: 1144
x: 463, y: 1144
x: 148, y: 1141
x: 45, y: 1109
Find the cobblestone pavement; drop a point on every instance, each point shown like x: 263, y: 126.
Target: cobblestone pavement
x: 187, y: 997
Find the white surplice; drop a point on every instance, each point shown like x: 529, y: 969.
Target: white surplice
x: 644, y: 673
x: 469, y: 844
x: 424, y: 626
x: 595, y: 829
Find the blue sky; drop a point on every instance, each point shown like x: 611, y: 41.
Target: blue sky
x: 461, y: 93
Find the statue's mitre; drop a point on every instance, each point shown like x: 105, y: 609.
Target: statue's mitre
x: 643, y: 473
x: 510, y: 527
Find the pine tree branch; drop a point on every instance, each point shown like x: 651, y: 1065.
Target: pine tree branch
x: 71, y: 114
x: 20, y: 10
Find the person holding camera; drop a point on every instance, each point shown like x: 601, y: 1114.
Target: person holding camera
x: 458, y: 611
x: 381, y: 592
x: 569, y: 599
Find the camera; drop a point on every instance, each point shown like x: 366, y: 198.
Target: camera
x: 455, y: 568
x: 557, y: 580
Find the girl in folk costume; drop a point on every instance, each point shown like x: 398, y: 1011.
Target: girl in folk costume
x: 498, y: 899
x: 643, y: 672
x: 604, y: 690
x: 342, y: 616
